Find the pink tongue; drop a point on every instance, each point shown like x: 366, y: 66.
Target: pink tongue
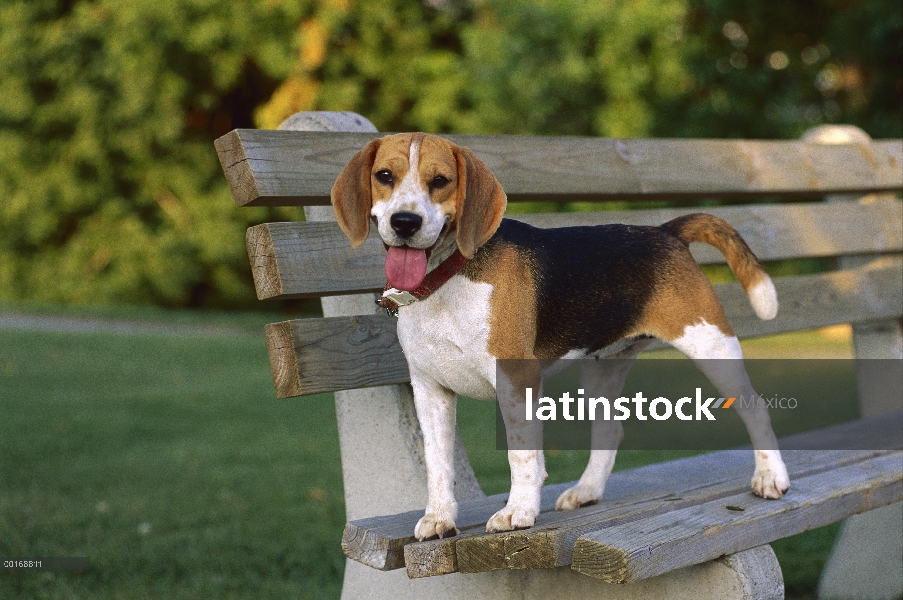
x: 405, y: 267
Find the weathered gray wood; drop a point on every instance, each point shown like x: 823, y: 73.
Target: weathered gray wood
x: 312, y: 356
x: 629, y: 495
x: 379, y: 541
x: 309, y: 260
x: 551, y: 542
x: 335, y: 353
x: 300, y: 260
x: 671, y: 486
x: 807, y: 302
x: 283, y: 361
x: 892, y: 149
x: 272, y: 168
x: 692, y: 535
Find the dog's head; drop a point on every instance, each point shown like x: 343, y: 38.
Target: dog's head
x: 418, y: 189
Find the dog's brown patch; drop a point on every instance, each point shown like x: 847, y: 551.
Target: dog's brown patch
x: 512, y: 307
x: 394, y: 155
x: 683, y: 296
x: 481, y: 202
x: 351, y: 194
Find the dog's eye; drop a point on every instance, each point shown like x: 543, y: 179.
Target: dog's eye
x: 439, y: 182
x: 385, y: 176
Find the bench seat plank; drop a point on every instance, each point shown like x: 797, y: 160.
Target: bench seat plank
x: 693, y: 535
x: 312, y: 356
x: 630, y: 495
x: 280, y: 168
x: 304, y: 260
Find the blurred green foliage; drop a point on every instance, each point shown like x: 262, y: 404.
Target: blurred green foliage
x: 113, y: 193
x: 773, y: 70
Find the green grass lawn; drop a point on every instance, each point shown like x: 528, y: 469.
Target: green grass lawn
x: 169, y: 462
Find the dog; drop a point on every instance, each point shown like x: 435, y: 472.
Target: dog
x: 470, y: 288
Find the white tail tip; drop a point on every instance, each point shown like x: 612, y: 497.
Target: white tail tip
x: 764, y: 299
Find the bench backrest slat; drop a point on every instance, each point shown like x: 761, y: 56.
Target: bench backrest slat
x: 311, y: 356
x: 273, y: 168
x: 302, y: 260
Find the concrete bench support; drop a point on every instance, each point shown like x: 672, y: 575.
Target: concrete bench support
x: 867, y: 560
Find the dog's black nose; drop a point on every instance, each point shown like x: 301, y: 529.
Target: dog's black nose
x: 406, y: 224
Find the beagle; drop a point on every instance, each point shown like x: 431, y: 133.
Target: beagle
x: 470, y: 288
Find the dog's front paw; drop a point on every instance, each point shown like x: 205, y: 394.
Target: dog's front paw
x: 432, y: 525
x: 510, y: 518
x: 771, y: 481
x: 576, y: 497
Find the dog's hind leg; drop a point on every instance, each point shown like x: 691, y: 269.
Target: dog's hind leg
x: 720, y: 358
x: 603, y: 378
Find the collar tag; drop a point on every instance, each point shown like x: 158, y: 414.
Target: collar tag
x: 399, y: 297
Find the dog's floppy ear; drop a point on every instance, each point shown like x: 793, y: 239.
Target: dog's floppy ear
x: 351, y: 198
x: 480, y: 204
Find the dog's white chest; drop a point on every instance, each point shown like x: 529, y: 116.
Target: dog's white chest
x: 445, y: 337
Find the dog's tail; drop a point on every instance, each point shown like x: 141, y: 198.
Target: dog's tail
x: 714, y: 231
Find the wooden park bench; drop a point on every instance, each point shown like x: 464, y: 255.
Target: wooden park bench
x: 664, y: 529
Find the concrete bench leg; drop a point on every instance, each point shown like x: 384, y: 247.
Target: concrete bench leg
x: 749, y: 575
x: 867, y: 560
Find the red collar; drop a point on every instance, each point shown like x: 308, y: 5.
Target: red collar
x: 392, y: 298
